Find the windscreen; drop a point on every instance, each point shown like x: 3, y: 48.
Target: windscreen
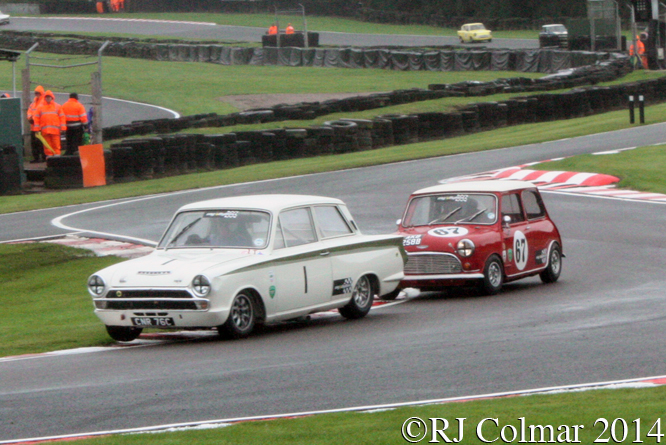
x: 226, y: 228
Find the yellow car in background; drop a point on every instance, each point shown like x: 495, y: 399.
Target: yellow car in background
x: 474, y: 32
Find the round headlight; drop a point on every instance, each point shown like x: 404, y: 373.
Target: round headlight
x: 465, y: 248
x: 201, y: 285
x: 96, y: 285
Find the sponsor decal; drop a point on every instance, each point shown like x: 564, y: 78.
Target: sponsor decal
x: 271, y: 291
x: 456, y: 198
x: 148, y: 272
x: 521, y: 249
x: 229, y: 214
x: 541, y: 256
x: 448, y: 232
x: 510, y: 254
x: 412, y: 240
x: 343, y: 286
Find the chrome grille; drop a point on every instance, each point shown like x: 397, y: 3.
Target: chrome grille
x: 164, y: 305
x: 148, y: 293
x: 432, y: 264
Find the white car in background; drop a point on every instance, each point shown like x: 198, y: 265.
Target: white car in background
x: 236, y: 263
x: 4, y: 19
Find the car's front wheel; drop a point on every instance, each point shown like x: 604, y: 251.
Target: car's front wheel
x: 554, y: 269
x: 123, y: 333
x: 242, y: 317
x: 361, y: 300
x: 493, y: 276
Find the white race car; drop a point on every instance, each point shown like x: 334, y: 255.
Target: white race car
x: 4, y: 19
x: 236, y: 263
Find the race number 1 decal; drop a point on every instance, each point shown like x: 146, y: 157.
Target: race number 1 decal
x: 520, y: 249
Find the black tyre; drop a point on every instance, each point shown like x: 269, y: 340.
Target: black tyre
x: 361, y: 300
x: 554, y: 269
x: 493, y: 276
x: 391, y: 295
x: 123, y: 333
x: 242, y: 317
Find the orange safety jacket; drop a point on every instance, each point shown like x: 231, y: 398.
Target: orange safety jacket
x: 50, y: 119
x: 75, y: 113
x: 32, y: 109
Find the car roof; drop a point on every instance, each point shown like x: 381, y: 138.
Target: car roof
x: 477, y: 186
x: 273, y: 203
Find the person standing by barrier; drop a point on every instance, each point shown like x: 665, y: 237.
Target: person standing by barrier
x: 272, y: 30
x: 35, y: 144
x: 639, y: 53
x: 76, y: 119
x: 50, y: 121
x: 289, y: 29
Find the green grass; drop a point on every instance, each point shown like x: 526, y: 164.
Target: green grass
x: 192, y: 88
x: 46, y: 305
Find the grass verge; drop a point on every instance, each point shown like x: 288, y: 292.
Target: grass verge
x: 46, y: 306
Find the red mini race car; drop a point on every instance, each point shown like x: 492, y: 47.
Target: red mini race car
x: 482, y: 233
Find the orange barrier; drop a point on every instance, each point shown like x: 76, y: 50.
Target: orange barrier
x: 92, y: 163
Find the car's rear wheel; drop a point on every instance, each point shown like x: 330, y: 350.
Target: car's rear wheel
x: 493, y: 276
x: 361, y: 300
x: 123, y: 333
x: 554, y: 268
x: 242, y: 317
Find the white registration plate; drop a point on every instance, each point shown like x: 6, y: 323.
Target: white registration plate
x: 153, y: 321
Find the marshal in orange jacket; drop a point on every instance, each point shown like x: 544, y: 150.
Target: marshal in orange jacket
x: 49, y: 118
x: 75, y: 113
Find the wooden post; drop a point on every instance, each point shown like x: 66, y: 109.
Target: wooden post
x: 96, y: 86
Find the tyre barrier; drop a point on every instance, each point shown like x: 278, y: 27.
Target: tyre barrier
x: 10, y: 171
x: 65, y: 172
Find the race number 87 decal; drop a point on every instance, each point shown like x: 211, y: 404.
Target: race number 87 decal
x: 521, y: 250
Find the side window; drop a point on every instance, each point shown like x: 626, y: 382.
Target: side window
x: 331, y: 222
x: 279, y: 237
x: 296, y: 227
x: 511, y: 207
x: 533, y: 205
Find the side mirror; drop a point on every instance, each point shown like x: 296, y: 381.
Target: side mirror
x: 506, y: 220
x: 397, y: 223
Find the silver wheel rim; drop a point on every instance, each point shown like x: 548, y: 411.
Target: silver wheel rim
x: 241, y: 312
x: 494, y: 274
x: 555, y: 262
x: 362, y: 292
